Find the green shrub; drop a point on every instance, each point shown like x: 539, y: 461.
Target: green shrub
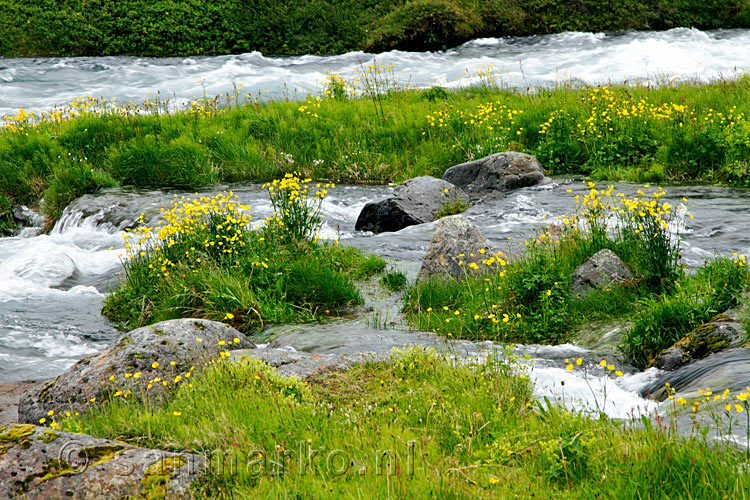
x: 149, y: 162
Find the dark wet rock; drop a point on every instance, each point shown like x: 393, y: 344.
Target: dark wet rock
x: 455, y: 245
x: 26, y: 217
x: 40, y: 463
x: 497, y: 172
x: 110, y: 212
x: 601, y: 271
x: 729, y: 369
x: 416, y: 201
x: 724, y: 331
x: 130, y: 364
x: 602, y: 336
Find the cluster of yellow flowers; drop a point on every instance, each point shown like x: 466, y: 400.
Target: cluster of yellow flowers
x: 296, y: 210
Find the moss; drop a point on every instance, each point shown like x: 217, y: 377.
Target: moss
x: 44, y: 390
x: 157, y: 476
x: 160, y: 332
x: 125, y: 341
x: 53, y: 468
x: 703, y: 341
x: 25, y: 443
x: 100, y: 454
x: 17, y: 433
x: 4, y: 449
x: 48, y: 436
x: 138, y: 356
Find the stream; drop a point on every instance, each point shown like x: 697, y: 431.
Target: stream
x: 52, y: 285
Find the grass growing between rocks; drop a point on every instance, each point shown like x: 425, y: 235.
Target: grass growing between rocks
x: 415, y: 426
x: 204, y: 259
x: 375, y: 130
x: 529, y: 298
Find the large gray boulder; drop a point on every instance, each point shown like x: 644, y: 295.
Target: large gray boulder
x: 456, y: 244
x: 162, y: 350
x: 416, y: 201
x: 37, y: 462
x: 497, y: 172
x: 601, y: 271
x: 724, y: 331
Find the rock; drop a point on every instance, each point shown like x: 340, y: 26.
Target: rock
x: 497, y: 172
x: 724, y: 331
x: 27, y: 217
x: 728, y: 369
x: 37, y: 462
x: 416, y: 201
x: 136, y: 358
x: 602, y: 270
x: 455, y: 236
x: 292, y: 363
x: 10, y: 394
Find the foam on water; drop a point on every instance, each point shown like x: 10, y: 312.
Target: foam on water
x: 648, y: 56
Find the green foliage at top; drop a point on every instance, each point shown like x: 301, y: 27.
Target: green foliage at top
x: 189, y: 27
x: 415, y: 426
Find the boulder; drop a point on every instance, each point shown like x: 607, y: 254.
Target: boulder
x: 455, y: 245
x: 140, y: 357
x: 497, y: 172
x: 724, y: 331
x: 602, y: 270
x: 37, y: 462
x: 416, y: 201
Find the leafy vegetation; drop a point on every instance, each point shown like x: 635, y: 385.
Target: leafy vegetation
x: 169, y: 27
x: 528, y: 298
x: 374, y: 131
x: 415, y: 426
x: 203, y: 259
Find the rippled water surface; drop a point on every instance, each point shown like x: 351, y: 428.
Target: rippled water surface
x: 678, y: 54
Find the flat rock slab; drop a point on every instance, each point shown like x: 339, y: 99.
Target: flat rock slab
x: 161, y: 350
x: 497, y: 172
x: 416, y: 201
x: 455, y: 245
x: 39, y: 463
x: 10, y: 395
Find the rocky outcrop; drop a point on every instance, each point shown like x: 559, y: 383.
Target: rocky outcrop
x: 497, y: 172
x: 153, y: 355
x: 40, y: 463
x: 416, y: 201
x: 724, y: 331
x: 456, y: 244
x: 601, y: 271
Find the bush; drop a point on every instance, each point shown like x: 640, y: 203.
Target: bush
x: 149, y: 162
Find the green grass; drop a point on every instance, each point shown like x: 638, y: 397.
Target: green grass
x: 206, y: 261
x: 168, y: 27
x: 385, y: 136
x: 528, y: 298
x: 415, y: 426
x: 395, y: 281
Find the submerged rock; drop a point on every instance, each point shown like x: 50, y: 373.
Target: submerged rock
x: 729, y: 369
x: 497, y: 172
x: 161, y: 350
x: 416, y: 201
x: 724, y: 331
x: 37, y: 462
x: 455, y: 245
x: 601, y: 271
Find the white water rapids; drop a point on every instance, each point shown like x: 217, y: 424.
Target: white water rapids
x: 52, y: 286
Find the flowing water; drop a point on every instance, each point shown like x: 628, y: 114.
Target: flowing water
x: 674, y: 55
x: 52, y: 286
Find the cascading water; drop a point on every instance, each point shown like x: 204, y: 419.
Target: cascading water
x: 52, y: 286
x: 647, y: 56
